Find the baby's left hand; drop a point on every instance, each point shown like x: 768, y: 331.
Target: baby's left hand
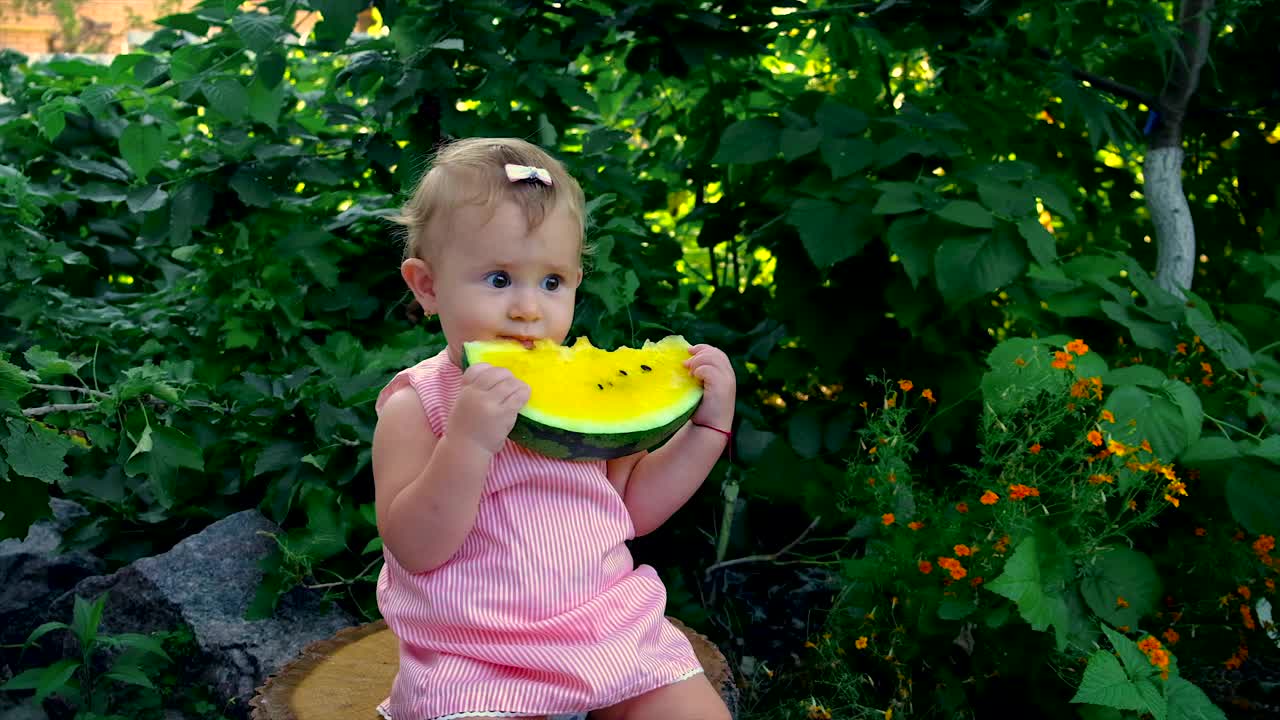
x: 719, y: 386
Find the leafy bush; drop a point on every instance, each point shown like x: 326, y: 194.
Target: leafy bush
x: 203, y: 300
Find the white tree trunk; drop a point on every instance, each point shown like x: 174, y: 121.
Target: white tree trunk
x: 1175, y: 233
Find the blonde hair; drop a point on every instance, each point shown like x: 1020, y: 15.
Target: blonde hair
x: 472, y: 172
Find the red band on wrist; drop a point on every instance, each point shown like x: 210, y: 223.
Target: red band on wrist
x: 727, y: 433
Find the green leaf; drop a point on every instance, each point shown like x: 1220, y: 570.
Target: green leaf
x: 838, y: 120
x: 170, y: 451
x: 277, y: 456
x: 954, y: 608
x: 1219, y: 337
x: 1188, y: 702
x: 896, y: 201
x: 1253, y: 495
x: 51, y: 116
x: 251, y: 189
x: 189, y: 209
x: 1121, y: 573
x: 146, y: 199
x: 142, y: 147
x: 270, y: 71
x: 616, y: 290
x: 141, y: 643
x: 258, y: 31
x: 1106, y: 683
x: 131, y: 674
x: 97, y: 99
x: 265, y: 103
x: 86, y: 616
x: 1211, y: 449
x: 1268, y: 449
x: 966, y: 212
x: 35, y: 451
x: 1033, y: 582
x: 43, y: 630
x: 26, y: 500
x: 968, y: 267
x: 45, y: 680
x: 846, y: 156
x: 912, y: 241
x: 1145, y: 333
x: 805, y: 432
x: 13, y: 385
x: 830, y: 232
x: 1144, y: 375
x: 798, y: 143
x: 1136, y: 664
x: 1040, y: 242
x: 1007, y: 200
x: 1020, y: 372
x: 48, y: 365
x: 749, y: 141
x: 339, y: 20
x: 228, y: 98
x: 1053, y: 197
x: 1170, y: 420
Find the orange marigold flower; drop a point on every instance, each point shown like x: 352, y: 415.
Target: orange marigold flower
x: 962, y: 508
x: 1095, y: 438
x: 1106, y: 415
x: 927, y: 394
x: 1133, y: 504
x: 961, y: 550
x: 861, y: 642
x: 891, y: 401
x: 1264, y: 544
x: 887, y: 518
x: 1171, y: 636
x: 1148, y: 644
x: 1182, y: 348
x: 1243, y: 591
x: 1146, y: 446
x: 1020, y: 362
x: 906, y: 385
x: 1206, y: 381
x: 1098, y: 479
x: 1247, y: 617
x: 1062, y: 360
x: 1271, y: 585
x: 1020, y: 491
x: 1002, y: 544
x: 925, y: 566
x: 976, y: 581
x: 1115, y: 447
x: 1206, y: 368
x: 1077, y: 346
x: 1173, y: 500
x: 989, y: 498
x: 1034, y: 449
x: 872, y: 451
x: 915, y: 524
x: 1121, y: 602
x: 1201, y: 532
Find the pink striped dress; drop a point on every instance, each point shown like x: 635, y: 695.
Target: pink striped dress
x: 542, y: 610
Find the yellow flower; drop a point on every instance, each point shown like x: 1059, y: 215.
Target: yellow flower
x: 861, y: 643
x: 1106, y: 415
x: 927, y: 394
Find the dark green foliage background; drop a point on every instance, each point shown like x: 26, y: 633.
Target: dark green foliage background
x: 197, y: 233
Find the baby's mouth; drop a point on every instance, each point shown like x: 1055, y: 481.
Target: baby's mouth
x: 526, y: 341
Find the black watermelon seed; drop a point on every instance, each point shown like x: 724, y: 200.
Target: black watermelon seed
x: 645, y: 368
x: 622, y: 373
x: 599, y: 386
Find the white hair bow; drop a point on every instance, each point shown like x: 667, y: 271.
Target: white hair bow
x: 528, y: 173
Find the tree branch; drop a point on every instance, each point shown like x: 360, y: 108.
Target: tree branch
x: 66, y: 407
x: 1106, y: 85
x: 69, y: 388
x: 1184, y: 76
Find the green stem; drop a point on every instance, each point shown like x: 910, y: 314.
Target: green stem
x: 1222, y: 425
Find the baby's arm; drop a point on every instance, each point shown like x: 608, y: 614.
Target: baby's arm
x: 661, y: 482
x: 427, y: 490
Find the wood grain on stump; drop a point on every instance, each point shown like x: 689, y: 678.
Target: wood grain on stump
x: 347, y: 675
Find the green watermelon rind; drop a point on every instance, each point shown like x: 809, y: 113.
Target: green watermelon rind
x: 577, y: 446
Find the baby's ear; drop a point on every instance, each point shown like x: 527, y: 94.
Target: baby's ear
x: 420, y: 278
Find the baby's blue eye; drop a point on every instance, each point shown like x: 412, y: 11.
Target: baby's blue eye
x: 499, y: 279
x: 551, y: 283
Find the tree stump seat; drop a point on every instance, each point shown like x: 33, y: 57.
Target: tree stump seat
x: 346, y: 676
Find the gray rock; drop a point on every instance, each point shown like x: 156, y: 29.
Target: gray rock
x: 33, y: 574
x: 207, y: 582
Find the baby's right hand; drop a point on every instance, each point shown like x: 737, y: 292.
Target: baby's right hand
x: 487, y: 406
